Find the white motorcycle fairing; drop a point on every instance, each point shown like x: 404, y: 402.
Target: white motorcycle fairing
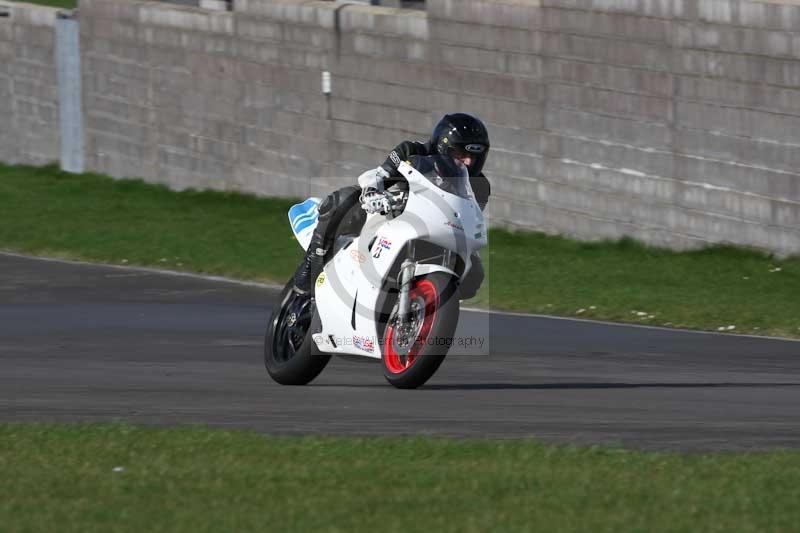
x: 354, y: 283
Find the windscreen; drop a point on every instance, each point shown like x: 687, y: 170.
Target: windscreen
x: 444, y: 172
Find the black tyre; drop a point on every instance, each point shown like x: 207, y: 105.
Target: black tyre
x: 290, y: 354
x: 412, y: 356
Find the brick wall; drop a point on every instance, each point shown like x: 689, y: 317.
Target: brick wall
x: 672, y: 122
x: 675, y: 122
x: 28, y: 84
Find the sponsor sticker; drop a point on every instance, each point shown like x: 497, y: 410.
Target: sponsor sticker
x: 380, y: 245
x: 321, y: 280
x: 364, y: 343
x: 357, y: 256
x: 454, y: 226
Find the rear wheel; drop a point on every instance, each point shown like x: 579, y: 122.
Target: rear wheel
x: 290, y: 353
x: 412, y: 353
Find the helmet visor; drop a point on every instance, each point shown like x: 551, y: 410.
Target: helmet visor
x: 471, y: 155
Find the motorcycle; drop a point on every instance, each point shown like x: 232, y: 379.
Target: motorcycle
x: 389, y: 291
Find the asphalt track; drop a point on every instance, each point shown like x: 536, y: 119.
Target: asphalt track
x: 91, y: 343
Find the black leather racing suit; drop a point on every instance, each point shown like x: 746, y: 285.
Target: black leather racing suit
x: 404, y: 150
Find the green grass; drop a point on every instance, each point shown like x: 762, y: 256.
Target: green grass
x: 710, y: 289
x: 87, y: 216
x: 66, y: 4
x: 92, y: 217
x: 63, y: 478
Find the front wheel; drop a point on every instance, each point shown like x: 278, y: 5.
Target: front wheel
x: 290, y: 354
x: 412, y: 353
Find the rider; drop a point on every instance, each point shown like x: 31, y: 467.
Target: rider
x: 458, y: 135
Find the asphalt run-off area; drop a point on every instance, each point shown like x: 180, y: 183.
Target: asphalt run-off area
x: 85, y: 342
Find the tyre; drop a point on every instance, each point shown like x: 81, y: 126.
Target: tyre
x: 290, y: 353
x: 412, y: 356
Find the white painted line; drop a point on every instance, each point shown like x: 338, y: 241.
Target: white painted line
x: 623, y: 324
x: 148, y: 270
x: 272, y: 286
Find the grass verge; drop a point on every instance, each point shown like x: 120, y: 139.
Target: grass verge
x: 116, y: 477
x: 66, y: 4
x: 47, y: 212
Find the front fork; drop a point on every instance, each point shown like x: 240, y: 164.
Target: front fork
x: 407, y: 269
x: 406, y: 279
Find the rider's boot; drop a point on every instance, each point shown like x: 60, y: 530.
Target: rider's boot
x: 311, y: 265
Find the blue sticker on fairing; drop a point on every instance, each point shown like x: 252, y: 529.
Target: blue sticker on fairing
x: 303, y: 218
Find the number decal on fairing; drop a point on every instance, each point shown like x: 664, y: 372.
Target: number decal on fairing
x: 381, y: 244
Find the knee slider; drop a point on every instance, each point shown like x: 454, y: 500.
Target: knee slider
x: 328, y: 204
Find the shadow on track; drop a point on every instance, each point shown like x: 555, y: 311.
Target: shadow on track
x: 573, y: 386
x: 561, y: 386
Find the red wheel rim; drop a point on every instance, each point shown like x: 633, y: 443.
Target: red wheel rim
x: 424, y: 293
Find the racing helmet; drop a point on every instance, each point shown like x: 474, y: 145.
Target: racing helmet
x: 462, y: 137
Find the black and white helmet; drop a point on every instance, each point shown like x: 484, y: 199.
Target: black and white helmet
x: 462, y: 137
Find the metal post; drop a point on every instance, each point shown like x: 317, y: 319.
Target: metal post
x: 68, y: 60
